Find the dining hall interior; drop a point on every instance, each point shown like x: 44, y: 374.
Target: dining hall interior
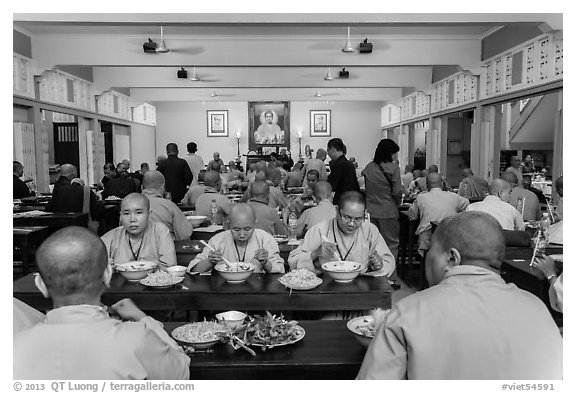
x: 287, y: 196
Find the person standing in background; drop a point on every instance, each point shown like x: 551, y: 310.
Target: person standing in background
x: 176, y: 173
x: 384, y: 195
x: 19, y: 188
x: 317, y: 164
x: 195, y: 162
x: 342, y: 176
x: 515, y: 166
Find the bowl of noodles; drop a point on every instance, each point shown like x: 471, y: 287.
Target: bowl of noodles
x: 235, y: 272
x: 135, y: 270
x: 365, y: 327
x: 342, y: 271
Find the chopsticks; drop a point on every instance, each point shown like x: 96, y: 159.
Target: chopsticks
x: 325, y: 239
x: 552, y: 220
x: 535, y: 249
x: 213, y: 249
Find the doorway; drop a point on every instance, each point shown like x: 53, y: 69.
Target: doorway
x: 106, y: 128
x: 66, y: 145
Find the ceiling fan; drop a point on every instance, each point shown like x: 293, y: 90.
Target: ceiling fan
x: 317, y: 94
x: 214, y: 94
x: 154, y: 47
x: 196, y: 78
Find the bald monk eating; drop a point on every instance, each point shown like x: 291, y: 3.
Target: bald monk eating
x: 139, y: 238
x: 241, y: 243
x: 163, y: 210
x: 78, y: 339
x: 470, y: 324
x: 267, y: 218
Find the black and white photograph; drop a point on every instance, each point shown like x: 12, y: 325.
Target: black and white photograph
x: 244, y: 200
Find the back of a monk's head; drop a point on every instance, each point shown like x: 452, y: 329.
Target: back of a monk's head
x: 477, y: 236
x: 322, y: 190
x: 72, y: 262
x: 153, y: 180
x: 211, y: 178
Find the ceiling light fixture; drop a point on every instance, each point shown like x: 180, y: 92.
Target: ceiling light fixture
x: 348, y: 46
x: 328, y: 76
x: 214, y: 94
x: 161, y: 48
x: 194, y: 77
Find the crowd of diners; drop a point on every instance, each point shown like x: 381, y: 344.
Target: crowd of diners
x: 469, y: 324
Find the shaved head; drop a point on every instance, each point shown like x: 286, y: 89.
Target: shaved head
x: 510, y: 177
x: 477, y: 236
x: 499, y: 185
x: 515, y: 161
x: 260, y: 191
x: 242, y: 212
x: 135, y: 197
x: 212, y: 179
x: 433, y: 168
x: 273, y: 174
x: 322, y: 190
x: 321, y: 154
x: 153, y: 180
x: 71, y: 263
x: 260, y: 176
x: 434, y: 180
x: 242, y: 220
x: 68, y: 170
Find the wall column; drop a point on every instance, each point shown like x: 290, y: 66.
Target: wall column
x: 403, y: 142
x: 41, y: 150
x: 557, y: 168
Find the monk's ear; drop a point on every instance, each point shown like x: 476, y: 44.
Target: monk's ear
x: 41, y: 285
x: 455, y: 257
x: 107, y: 276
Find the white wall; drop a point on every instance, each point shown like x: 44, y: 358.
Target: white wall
x: 356, y: 122
x: 142, y: 146
x: 183, y: 122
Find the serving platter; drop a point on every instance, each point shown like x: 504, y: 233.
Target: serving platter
x: 176, y: 280
x: 299, y: 332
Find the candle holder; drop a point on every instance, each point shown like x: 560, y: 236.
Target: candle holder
x: 238, y: 135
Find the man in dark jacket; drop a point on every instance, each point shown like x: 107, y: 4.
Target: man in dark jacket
x: 176, y: 172
x: 121, y: 185
x: 19, y: 188
x: 342, y: 172
x: 68, y: 197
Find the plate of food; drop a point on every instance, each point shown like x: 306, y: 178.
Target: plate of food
x: 199, y: 335
x: 160, y: 280
x: 272, y: 331
x: 365, y: 327
x: 281, y: 239
x: 300, y: 279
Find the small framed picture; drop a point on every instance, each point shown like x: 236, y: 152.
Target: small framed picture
x: 217, y: 123
x: 320, y: 123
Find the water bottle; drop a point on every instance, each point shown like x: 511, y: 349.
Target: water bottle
x: 520, y: 206
x: 292, y: 222
x: 213, y: 211
x: 545, y: 225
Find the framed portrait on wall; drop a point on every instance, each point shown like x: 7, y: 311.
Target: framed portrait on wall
x: 320, y: 123
x: 217, y: 123
x: 269, y: 124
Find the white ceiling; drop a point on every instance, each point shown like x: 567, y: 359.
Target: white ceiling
x: 246, y: 56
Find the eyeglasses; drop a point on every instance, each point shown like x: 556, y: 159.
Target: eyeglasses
x: 355, y: 220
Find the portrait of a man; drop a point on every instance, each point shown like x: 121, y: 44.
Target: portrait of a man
x: 217, y: 123
x: 269, y: 124
x: 320, y: 123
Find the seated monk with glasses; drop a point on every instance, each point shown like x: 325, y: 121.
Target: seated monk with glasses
x: 346, y: 237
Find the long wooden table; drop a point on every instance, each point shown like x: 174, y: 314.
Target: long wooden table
x: 54, y: 220
x: 212, y: 292
x: 327, y: 351
x: 26, y: 240
x: 516, y: 269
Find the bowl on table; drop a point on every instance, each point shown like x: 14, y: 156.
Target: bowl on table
x: 199, y: 335
x: 135, y: 270
x: 363, y: 329
x: 177, y: 271
x: 196, y: 221
x: 231, y: 319
x: 342, y: 271
x: 236, y: 272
